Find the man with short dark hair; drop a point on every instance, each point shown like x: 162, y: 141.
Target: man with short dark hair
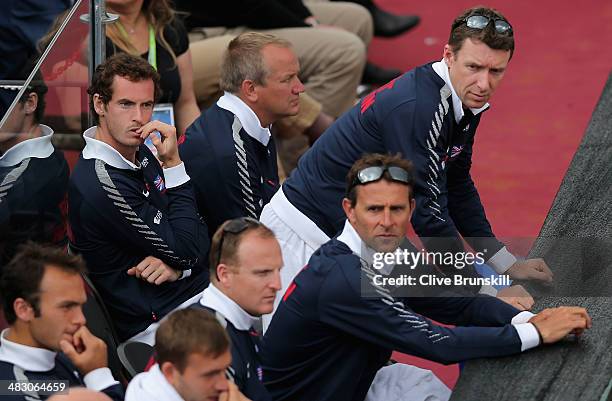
x: 133, y: 219
x: 33, y: 174
x: 337, y: 325
x: 42, y: 297
x: 429, y: 115
x: 192, y: 358
x: 239, y: 175
x: 245, y: 263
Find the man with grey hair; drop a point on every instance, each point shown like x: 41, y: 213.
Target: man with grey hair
x: 228, y: 151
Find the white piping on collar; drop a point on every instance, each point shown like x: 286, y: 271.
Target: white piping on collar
x: 39, y: 147
x: 441, y: 68
x: 151, y: 385
x: 213, y: 298
x: 28, y: 358
x: 247, y: 117
x: 96, y: 149
x: 351, y: 238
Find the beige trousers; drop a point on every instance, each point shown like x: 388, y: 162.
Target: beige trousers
x: 332, y: 57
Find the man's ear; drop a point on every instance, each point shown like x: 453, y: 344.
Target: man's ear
x: 349, y: 211
x: 23, y: 310
x: 31, y: 103
x: 412, y: 207
x: 169, y: 371
x: 248, y: 89
x: 98, y: 103
x: 223, y: 274
x: 448, y: 55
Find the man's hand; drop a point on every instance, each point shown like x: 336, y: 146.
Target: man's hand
x: 154, y: 271
x: 531, y: 269
x: 232, y: 394
x: 516, y: 296
x: 167, y: 148
x: 87, y: 352
x: 555, y: 323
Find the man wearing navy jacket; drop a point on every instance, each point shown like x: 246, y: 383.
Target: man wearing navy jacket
x: 336, y: 326
x: 245, y: 263
x: 133, y: 219
x: 429, y: 115
x: 42, y: 297
x: 228, y: 151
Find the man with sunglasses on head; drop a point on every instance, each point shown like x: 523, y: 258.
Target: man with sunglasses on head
x: 245, y: 264
x: 430, y: 116
x: 336, y: 325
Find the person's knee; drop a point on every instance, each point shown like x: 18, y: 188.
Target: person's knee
x: 362, y: 22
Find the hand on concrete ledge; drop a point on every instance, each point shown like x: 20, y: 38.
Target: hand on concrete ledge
x: 555, y: 323
x: 516, y: 296
x: 531, y: 269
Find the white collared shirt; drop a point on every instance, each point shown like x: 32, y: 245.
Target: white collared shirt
x: 441, y: 68
x: 213, y: 298
x: 527, y: 332
x: 249, y: 120
x: 40, y: 148
x: 34, y: 359
x: 151, y: 386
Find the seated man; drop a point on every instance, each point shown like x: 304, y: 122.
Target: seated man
x: 192, y: 358
x: 33, y: 174
x: 42, y: 294
x: 244, y: 278
x: 135, y: 221
x: 336, y: 326
x: 228, y: 150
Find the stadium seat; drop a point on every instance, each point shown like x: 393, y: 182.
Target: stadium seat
x: 134, y: 356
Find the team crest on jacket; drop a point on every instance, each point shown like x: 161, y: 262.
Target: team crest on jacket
x: 159, y: 183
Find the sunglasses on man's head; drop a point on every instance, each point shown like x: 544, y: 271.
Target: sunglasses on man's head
x: 375, y: 173
x: 235, y: 226
x: 481, y: 22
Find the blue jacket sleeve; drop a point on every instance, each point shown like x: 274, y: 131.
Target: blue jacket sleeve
x: 389, y: 323
x: 115, y: 392
x: 465, y: 206
x: 172, y: 235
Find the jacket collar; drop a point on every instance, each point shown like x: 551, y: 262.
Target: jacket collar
x: 28, y: 358
x: 441, y: 68
x: 151, y: 385
x: 213, y: 298
x: 351, y: 238
x: 40, y: 148
x: 95, y: 149
x: 248, y: 118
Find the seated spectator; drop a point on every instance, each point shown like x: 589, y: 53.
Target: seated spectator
x: 133, y: 219
x: 33, y: 174
x: 244, y: 278
x: 42, y: 296
x: 229, y: 151
x: 332, y: 59
x: 336, y: 326
x: 151, y: 30
x: 193, y: 356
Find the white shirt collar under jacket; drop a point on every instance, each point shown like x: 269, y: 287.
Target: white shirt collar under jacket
x: 40, y: 148
x: 95, y: 149
x: 248, y: 118
x: 28, y: 358
x: 151, y: 386
x: 213, y: 298
x: 441, y: 68
x: 352, y: 239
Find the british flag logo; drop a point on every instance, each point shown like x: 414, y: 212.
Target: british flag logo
x: 455, y: 151
x: 159, y: 183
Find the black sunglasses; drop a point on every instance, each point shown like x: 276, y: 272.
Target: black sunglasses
x: 481, y: 22
x: 375, y: 173
x: 235, y: 226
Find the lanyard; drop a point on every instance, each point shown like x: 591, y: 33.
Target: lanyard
x: 152, y: 58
